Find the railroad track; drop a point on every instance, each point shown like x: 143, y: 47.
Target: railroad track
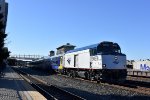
x: 50, y: 92
x: 139, y: 78
x: 129, y: 85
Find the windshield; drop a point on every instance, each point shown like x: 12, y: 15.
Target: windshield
x: 108, y: 47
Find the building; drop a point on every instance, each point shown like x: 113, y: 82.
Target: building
x: 52, y: 53
x: 64, y: 48
x: 3, y: 13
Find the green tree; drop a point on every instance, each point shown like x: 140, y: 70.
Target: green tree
x: 4, y: 53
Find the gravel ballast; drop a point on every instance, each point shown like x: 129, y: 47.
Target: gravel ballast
x: 87, y: 90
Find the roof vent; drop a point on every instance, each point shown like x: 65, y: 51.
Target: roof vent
x: 68, y: 43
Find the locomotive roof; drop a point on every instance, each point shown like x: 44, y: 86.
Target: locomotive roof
x: 87, y: 47
x: 83, y: 48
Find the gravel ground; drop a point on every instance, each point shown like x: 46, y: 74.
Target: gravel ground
x: 88, y: 90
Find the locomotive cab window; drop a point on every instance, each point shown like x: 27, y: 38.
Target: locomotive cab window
x: 108, y: 48
x: 116, y: 48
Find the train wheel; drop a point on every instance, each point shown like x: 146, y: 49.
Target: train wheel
x: 73, y: 74
x: 97, y: 77
x: 86, y: 75
x: 64, y: 72
x: 68, y: 73
x: 90, y: 76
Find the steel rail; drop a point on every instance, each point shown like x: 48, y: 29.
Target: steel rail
x: 49, y: 91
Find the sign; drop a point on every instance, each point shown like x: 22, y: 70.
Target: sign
x: 144, y: 67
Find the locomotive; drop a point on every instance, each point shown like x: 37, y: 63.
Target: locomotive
x: 99, y: 61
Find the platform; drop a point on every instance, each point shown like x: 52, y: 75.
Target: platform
x: 13, y: 87
x: 138, y: 73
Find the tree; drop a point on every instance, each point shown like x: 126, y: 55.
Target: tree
x: 4, y: 53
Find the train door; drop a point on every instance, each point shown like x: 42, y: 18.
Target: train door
x: 61, y: 60
x: 75, y: 60
x: 60, y: 69
x: 61, y: 63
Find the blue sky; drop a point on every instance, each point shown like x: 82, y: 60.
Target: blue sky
x: 38, y: 26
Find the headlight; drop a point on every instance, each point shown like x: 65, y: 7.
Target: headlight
x: 104, y: 65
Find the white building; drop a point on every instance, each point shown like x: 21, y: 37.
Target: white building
x: 142, y: 65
